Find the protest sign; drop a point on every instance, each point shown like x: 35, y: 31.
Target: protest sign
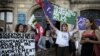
x: 58, y: 13
x: 64, y: 15
x: 81, y: 23
x: 16, y: 44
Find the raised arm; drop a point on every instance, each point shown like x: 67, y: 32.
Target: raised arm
x: 76, y: 27
x: 51, y: 23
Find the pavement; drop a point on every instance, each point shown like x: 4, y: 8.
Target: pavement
x: 51, y: 52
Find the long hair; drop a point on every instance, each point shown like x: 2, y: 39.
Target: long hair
x: 25, y: 28
x: 63, y: 25
x: 17, y: 27
x: 93, y: 26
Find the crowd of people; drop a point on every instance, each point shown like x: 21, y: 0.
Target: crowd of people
x: 60, y: 39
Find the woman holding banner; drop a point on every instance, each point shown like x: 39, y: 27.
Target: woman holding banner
x: 63, y: 38
x: 90, y: 39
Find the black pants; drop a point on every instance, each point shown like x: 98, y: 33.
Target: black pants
x: 55, y: 46
x: 63, y: 51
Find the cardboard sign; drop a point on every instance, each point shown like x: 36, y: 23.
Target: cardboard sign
x: 15, y: 44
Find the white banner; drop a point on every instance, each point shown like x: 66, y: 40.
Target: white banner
x: 15, y: 44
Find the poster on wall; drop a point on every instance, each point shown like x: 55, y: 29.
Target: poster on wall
x: 21, y: 18
x: 16, y: 44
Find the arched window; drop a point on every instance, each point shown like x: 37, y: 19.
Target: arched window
x: 91, y: 13
x: 39, y: 15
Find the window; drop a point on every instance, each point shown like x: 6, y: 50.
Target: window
x: 90, y: 13
x: 7, y: 17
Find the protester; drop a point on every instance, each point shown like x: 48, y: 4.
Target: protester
x: 53, y: 35
x: 45, y: 43
x: 63, y: 38
x: 37, y: 37
x: 72, y: 46
x: 90, y: 39
x: 19, y: 28
x: 25, y: 28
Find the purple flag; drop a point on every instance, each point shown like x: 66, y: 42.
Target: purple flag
x: 48, y: 8
x: 81, y: 23
x: 98, y: 22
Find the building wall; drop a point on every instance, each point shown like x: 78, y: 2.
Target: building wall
x: 28, y: 6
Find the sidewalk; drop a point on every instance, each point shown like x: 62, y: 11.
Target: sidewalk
x: 51, y: 52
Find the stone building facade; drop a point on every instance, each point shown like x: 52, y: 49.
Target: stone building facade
x: 16, y: 8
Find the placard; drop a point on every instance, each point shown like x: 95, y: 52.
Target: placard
x: 16, y: 44
x: 81, y: 23
x: 21, y: 18
x: 64, y: 15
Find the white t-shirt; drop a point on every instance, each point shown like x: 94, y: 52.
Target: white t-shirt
x: 63, y: 38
